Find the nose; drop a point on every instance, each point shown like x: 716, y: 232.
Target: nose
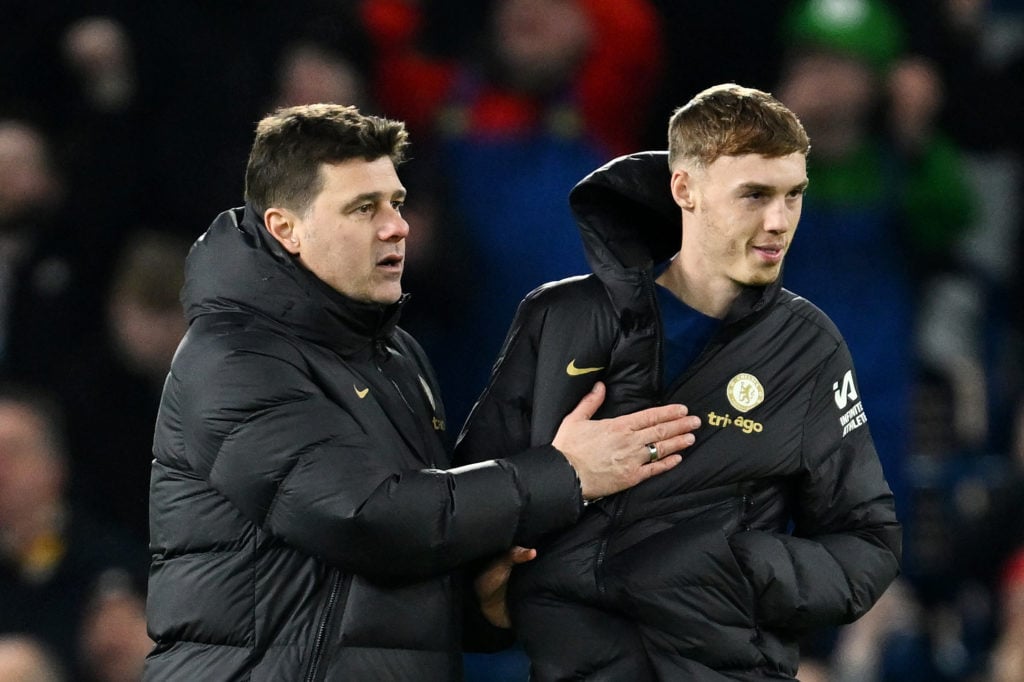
x: 394, y: 227
x: 779, y: 217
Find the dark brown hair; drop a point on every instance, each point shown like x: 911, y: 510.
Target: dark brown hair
x: 293, y: 142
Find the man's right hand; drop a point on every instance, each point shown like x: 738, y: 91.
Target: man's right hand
x: 610, y: 455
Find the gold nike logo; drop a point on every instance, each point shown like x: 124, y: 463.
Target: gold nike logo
x: 362, y: 393
x: 574, y: 371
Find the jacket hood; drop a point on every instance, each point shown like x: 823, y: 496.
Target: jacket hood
x: 626, y: 214
x: 236, y: 265
x: 629, y: 223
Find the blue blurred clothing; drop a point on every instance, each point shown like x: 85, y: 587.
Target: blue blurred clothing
x: 510, y: 193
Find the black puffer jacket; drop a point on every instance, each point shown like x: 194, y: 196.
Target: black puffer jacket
x: 302, y: 526
x: 779, y: 518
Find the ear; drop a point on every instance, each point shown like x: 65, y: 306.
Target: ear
x: 280, y: 224
x: 682, y: 189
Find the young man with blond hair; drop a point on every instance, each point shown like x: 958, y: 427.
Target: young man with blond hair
x: 779, y: 519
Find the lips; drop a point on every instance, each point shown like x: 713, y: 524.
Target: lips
x: 770, y: 252
x: 391, y: 263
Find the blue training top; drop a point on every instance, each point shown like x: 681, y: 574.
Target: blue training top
x: 686, y: 332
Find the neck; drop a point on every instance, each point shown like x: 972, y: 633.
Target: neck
x: 708, y: 295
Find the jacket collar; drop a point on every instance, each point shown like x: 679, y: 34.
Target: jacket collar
x: 237, y: 265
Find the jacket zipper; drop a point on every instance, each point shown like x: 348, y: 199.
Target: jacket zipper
x: 746, y: 493
x: 659, y: 336
x: 321, y: 632
x: 602, y: 551
x: 620, y: 500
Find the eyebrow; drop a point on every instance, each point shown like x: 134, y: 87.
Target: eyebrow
x: 371, y: 197
x: 759, y: 187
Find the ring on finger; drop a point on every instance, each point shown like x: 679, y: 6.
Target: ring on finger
x: 652, y: 448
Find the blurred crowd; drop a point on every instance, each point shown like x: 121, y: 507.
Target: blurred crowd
x: 124, y: 129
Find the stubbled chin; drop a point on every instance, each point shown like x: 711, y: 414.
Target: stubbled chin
x: 390, y: 296
x: 762, y: 276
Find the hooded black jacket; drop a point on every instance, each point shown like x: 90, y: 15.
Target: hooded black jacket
x: 302, y: 524
x: 778, y: 519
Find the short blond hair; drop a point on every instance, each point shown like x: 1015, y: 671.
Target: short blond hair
x: 731, y: 120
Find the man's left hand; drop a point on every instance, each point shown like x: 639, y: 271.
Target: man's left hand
x: 492, y: 585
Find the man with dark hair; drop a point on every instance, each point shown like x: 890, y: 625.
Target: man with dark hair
x: 304, y: 524
x: 53, y: 555
x: 779, y: 518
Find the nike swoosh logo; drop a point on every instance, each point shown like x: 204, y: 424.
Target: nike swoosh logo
x: 362, y: 393
x: 574, y: 371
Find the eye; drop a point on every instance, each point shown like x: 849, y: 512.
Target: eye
x: 799, y: 192
x: 397, y: 205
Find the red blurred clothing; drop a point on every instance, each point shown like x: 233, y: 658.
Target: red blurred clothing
x: 612, y: 90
